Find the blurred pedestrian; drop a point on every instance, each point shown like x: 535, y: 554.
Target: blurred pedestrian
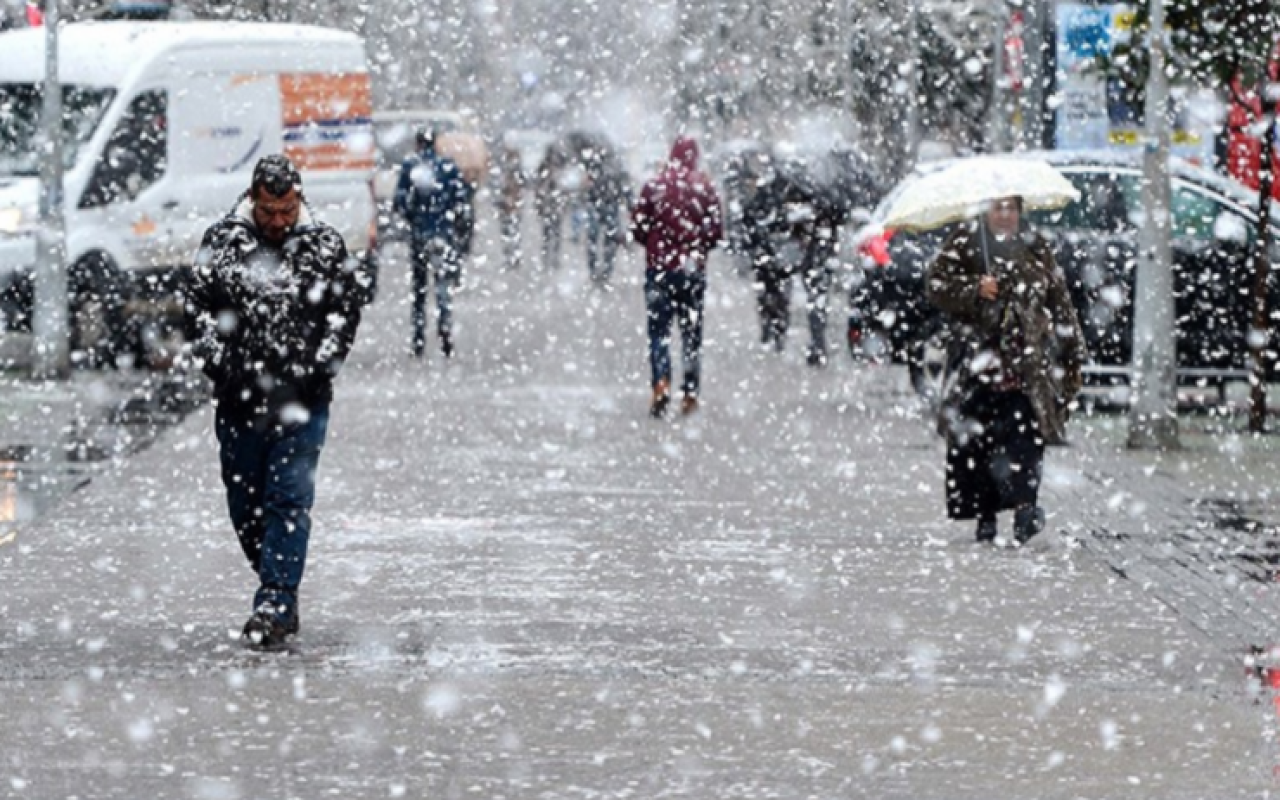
x: 1017, y: 351
x: 435, y: 201
x: 790, y: 231
x: 607, y: 193
x: 550, y: 200
x: 510, y: 203
x: 273, y: 304
x: 678, y: 221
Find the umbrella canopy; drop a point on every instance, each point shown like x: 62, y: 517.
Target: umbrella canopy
x: 962, y: 190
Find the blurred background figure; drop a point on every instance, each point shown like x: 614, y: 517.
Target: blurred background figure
x: 550, y: 201
x: 607, y: 193
x: 509, y: 199
x: 435, y: 201
x: 790, y: 224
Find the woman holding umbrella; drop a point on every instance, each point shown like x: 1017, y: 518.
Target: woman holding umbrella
x: 1017, y: 351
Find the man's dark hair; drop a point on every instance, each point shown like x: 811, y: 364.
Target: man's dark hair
x: 426, y: 137
x: 277, y: 175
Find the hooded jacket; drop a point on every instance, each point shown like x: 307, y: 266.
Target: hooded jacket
x: 272, y: 325
x: 678, y: 217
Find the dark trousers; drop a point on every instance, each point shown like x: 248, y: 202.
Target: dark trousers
x: 773, y: 286
x: 995, y: 460
x: 433, y: 258
x: 551, y: 238
x: 817, y: 287
x: 270, y: 476
x: 509, y: 222
x: 602, y: 240
x: 678, y: 294
x: 773, y: 282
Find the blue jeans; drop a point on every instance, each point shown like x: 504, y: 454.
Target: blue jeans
x: 270, y: 477
x: 677, y: 294
x: 433, y: 258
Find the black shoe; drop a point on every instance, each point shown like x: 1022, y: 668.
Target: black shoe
x: 446, y: 345
x: 1027, y: 522
x: 266, y: 631
x: 987, y: 530
x: 817, y: 358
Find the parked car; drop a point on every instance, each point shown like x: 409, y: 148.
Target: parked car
x: 395, y: 133
x: 1095, y: 243
x: 163, y: 123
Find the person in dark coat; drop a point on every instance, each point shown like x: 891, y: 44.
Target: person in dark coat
x: 509, y: 199
x: 607, y: 193
x: 273, y: 305
x: 550, y: 200
x: 678, y: 221
x: 1017, y: 351
x: 435, y: 201
x: 789, y: 231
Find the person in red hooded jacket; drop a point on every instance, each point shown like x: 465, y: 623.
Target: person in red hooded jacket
x: 678, y: 221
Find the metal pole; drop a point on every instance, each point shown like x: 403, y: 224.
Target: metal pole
x: 913, y: 130
x: 1033, y: 83
x: 1260, y: 334
x: 49, y: 305
x: 1153, y: 419
x: 996, y: 112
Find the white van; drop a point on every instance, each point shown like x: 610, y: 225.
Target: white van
x: 163, y: 123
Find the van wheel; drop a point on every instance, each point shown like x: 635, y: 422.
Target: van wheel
x: 95, y: 314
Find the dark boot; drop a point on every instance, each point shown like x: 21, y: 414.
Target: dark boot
x: 661, y: 398
x: 987, y: 529
x: 265, y: 630
x: 1027, y: 522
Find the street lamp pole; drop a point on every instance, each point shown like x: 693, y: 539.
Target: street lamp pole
x: 1153, y: 408
x: 1034, y: 25
x: 996, y: 111
x: 51, y: 358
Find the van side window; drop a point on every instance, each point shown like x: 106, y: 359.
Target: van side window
x: 136, y: 155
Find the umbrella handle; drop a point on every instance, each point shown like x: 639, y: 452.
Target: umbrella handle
x: 986, y: 256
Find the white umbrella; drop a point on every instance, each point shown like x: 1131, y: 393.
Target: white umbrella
x: 963, y: 189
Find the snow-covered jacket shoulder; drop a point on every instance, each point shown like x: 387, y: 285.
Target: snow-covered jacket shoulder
x: 272, y: 326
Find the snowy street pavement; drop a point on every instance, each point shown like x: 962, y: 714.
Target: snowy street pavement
x: 521, y: 587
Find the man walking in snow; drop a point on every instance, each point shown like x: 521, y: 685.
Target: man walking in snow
x: 678, y: 220
x: 274, y: 302
x: 435, y: 200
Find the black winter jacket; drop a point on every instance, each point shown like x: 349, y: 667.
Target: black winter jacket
x: 272, y: 326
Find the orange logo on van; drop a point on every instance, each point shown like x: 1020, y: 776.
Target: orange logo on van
x: 145, y: 226
x: 328, y: 121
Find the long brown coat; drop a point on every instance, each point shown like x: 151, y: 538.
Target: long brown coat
x: 1032, y: 326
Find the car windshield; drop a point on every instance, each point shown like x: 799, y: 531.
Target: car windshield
x: 20, y: 106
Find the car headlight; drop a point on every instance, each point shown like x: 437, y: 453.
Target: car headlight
x: 14, y: 219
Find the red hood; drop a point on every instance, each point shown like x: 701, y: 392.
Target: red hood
x: 684, y: 153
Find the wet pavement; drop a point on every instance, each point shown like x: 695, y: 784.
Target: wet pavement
x: 520, y: 586
x: 56, y: 436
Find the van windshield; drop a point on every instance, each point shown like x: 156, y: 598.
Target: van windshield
x: 20, y: 106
